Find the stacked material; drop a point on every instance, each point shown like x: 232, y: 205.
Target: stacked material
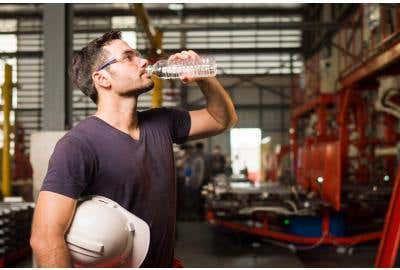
x: 15, y: 224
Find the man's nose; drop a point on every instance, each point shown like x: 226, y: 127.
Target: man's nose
x: 143, y: 62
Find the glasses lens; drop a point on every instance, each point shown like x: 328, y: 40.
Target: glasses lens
x: 137, y: 54
x: 131, y: 55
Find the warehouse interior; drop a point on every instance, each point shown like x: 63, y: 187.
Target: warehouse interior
x: 309, y: 175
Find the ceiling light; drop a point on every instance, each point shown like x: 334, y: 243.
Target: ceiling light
x: 175, y: 6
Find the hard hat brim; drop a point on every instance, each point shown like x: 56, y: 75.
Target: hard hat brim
x: 141, y: 234
x: 141, y: 238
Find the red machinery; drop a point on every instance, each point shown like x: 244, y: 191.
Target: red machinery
x: 328, y: 153
x: 336, y: 138
x: 389, y: 245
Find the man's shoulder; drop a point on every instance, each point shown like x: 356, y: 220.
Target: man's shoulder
x: 152, y: 112
x: 161, y: 111
x: 158, y: 115
x: 80, y: 133
x: 88, y: 125
x: 164, y: 115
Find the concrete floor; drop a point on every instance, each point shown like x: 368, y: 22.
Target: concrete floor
x: 202, y: 245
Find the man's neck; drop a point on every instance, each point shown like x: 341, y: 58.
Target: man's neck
x: 120, y: 113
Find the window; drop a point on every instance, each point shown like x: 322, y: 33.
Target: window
x: 245, y: 151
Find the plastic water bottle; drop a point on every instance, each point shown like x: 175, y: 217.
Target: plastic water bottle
x: 173, y: 69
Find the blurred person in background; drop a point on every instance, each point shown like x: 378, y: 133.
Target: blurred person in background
x: 218, y: 161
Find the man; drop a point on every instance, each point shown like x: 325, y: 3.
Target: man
x: 121, y: 153
x: 194, y: 175
x: 218, y: 161
x: 199, y: 146
x: 203, y: 171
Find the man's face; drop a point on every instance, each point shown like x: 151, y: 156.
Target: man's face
x: 128, y: 74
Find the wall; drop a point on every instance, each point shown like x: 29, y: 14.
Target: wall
x: 258, y: 101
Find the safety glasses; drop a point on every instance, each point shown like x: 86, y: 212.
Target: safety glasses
x: 126, y: 56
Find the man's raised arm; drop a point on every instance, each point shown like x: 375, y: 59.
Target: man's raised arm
x: 219, y: 115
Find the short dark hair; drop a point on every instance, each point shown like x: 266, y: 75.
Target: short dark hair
x: 86, y: 61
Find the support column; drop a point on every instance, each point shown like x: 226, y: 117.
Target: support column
x: 6, y: 160
x: 57, y: 96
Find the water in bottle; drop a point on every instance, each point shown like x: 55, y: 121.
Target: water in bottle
x: 206, y: 66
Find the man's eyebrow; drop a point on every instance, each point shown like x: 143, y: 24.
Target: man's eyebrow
x: 127, y: 51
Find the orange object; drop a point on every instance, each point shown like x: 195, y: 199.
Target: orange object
x: 177, y: 263
x: 291, y: 238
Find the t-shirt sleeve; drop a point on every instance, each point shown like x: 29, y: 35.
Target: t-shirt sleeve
x: 71, y: 167
x: 180, y: 123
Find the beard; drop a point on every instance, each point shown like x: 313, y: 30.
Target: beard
x: 138, y: 91
x: 145, y: 88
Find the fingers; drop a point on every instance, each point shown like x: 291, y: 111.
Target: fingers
x: 178, y: 56
x: 194, y: 55
x: 185, y: 79
x: 185, y: 55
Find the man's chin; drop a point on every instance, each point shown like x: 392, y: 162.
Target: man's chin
x: 138, y: 91
x: 148, y: 87
x: 145, y: 88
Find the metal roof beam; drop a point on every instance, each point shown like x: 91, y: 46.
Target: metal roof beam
x: 250, y: 107
x: 242, y: 26
x: 170, y: 51
x: 248, y: 26
x: 218, y: 11
x: 25, y: 11
x: 242, y: 50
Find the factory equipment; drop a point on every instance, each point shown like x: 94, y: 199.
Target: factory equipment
x: 277, y: 210
x: 343, y: 147
x: 15, y: 228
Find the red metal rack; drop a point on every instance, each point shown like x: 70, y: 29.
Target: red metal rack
x: 389, y: 245
x: 265, y: 231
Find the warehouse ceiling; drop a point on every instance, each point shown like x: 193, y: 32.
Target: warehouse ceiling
x: 305, y: 18
x: 254, y: 32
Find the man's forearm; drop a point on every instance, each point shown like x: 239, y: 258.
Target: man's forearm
x: 219, y: 103
x: 55, y: 254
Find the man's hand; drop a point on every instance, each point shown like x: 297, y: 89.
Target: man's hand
x: 186, y: 55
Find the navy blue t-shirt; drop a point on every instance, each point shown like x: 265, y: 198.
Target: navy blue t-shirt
x: 94, y: 158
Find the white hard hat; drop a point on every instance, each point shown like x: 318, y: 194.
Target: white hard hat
x: 104, y: 234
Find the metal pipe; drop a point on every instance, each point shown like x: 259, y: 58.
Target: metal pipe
x: 148, y: 28
x: 292, y: 238
x: 373, y: 65
x: 6, y: 161
x: 387, y: 151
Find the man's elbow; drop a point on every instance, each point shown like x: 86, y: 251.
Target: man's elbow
x: 228, y: 124
x: 36, y: 242
x: 232, y: 122
x: 43, y: 242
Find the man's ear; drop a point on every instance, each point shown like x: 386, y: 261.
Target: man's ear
x: 101, y: 79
